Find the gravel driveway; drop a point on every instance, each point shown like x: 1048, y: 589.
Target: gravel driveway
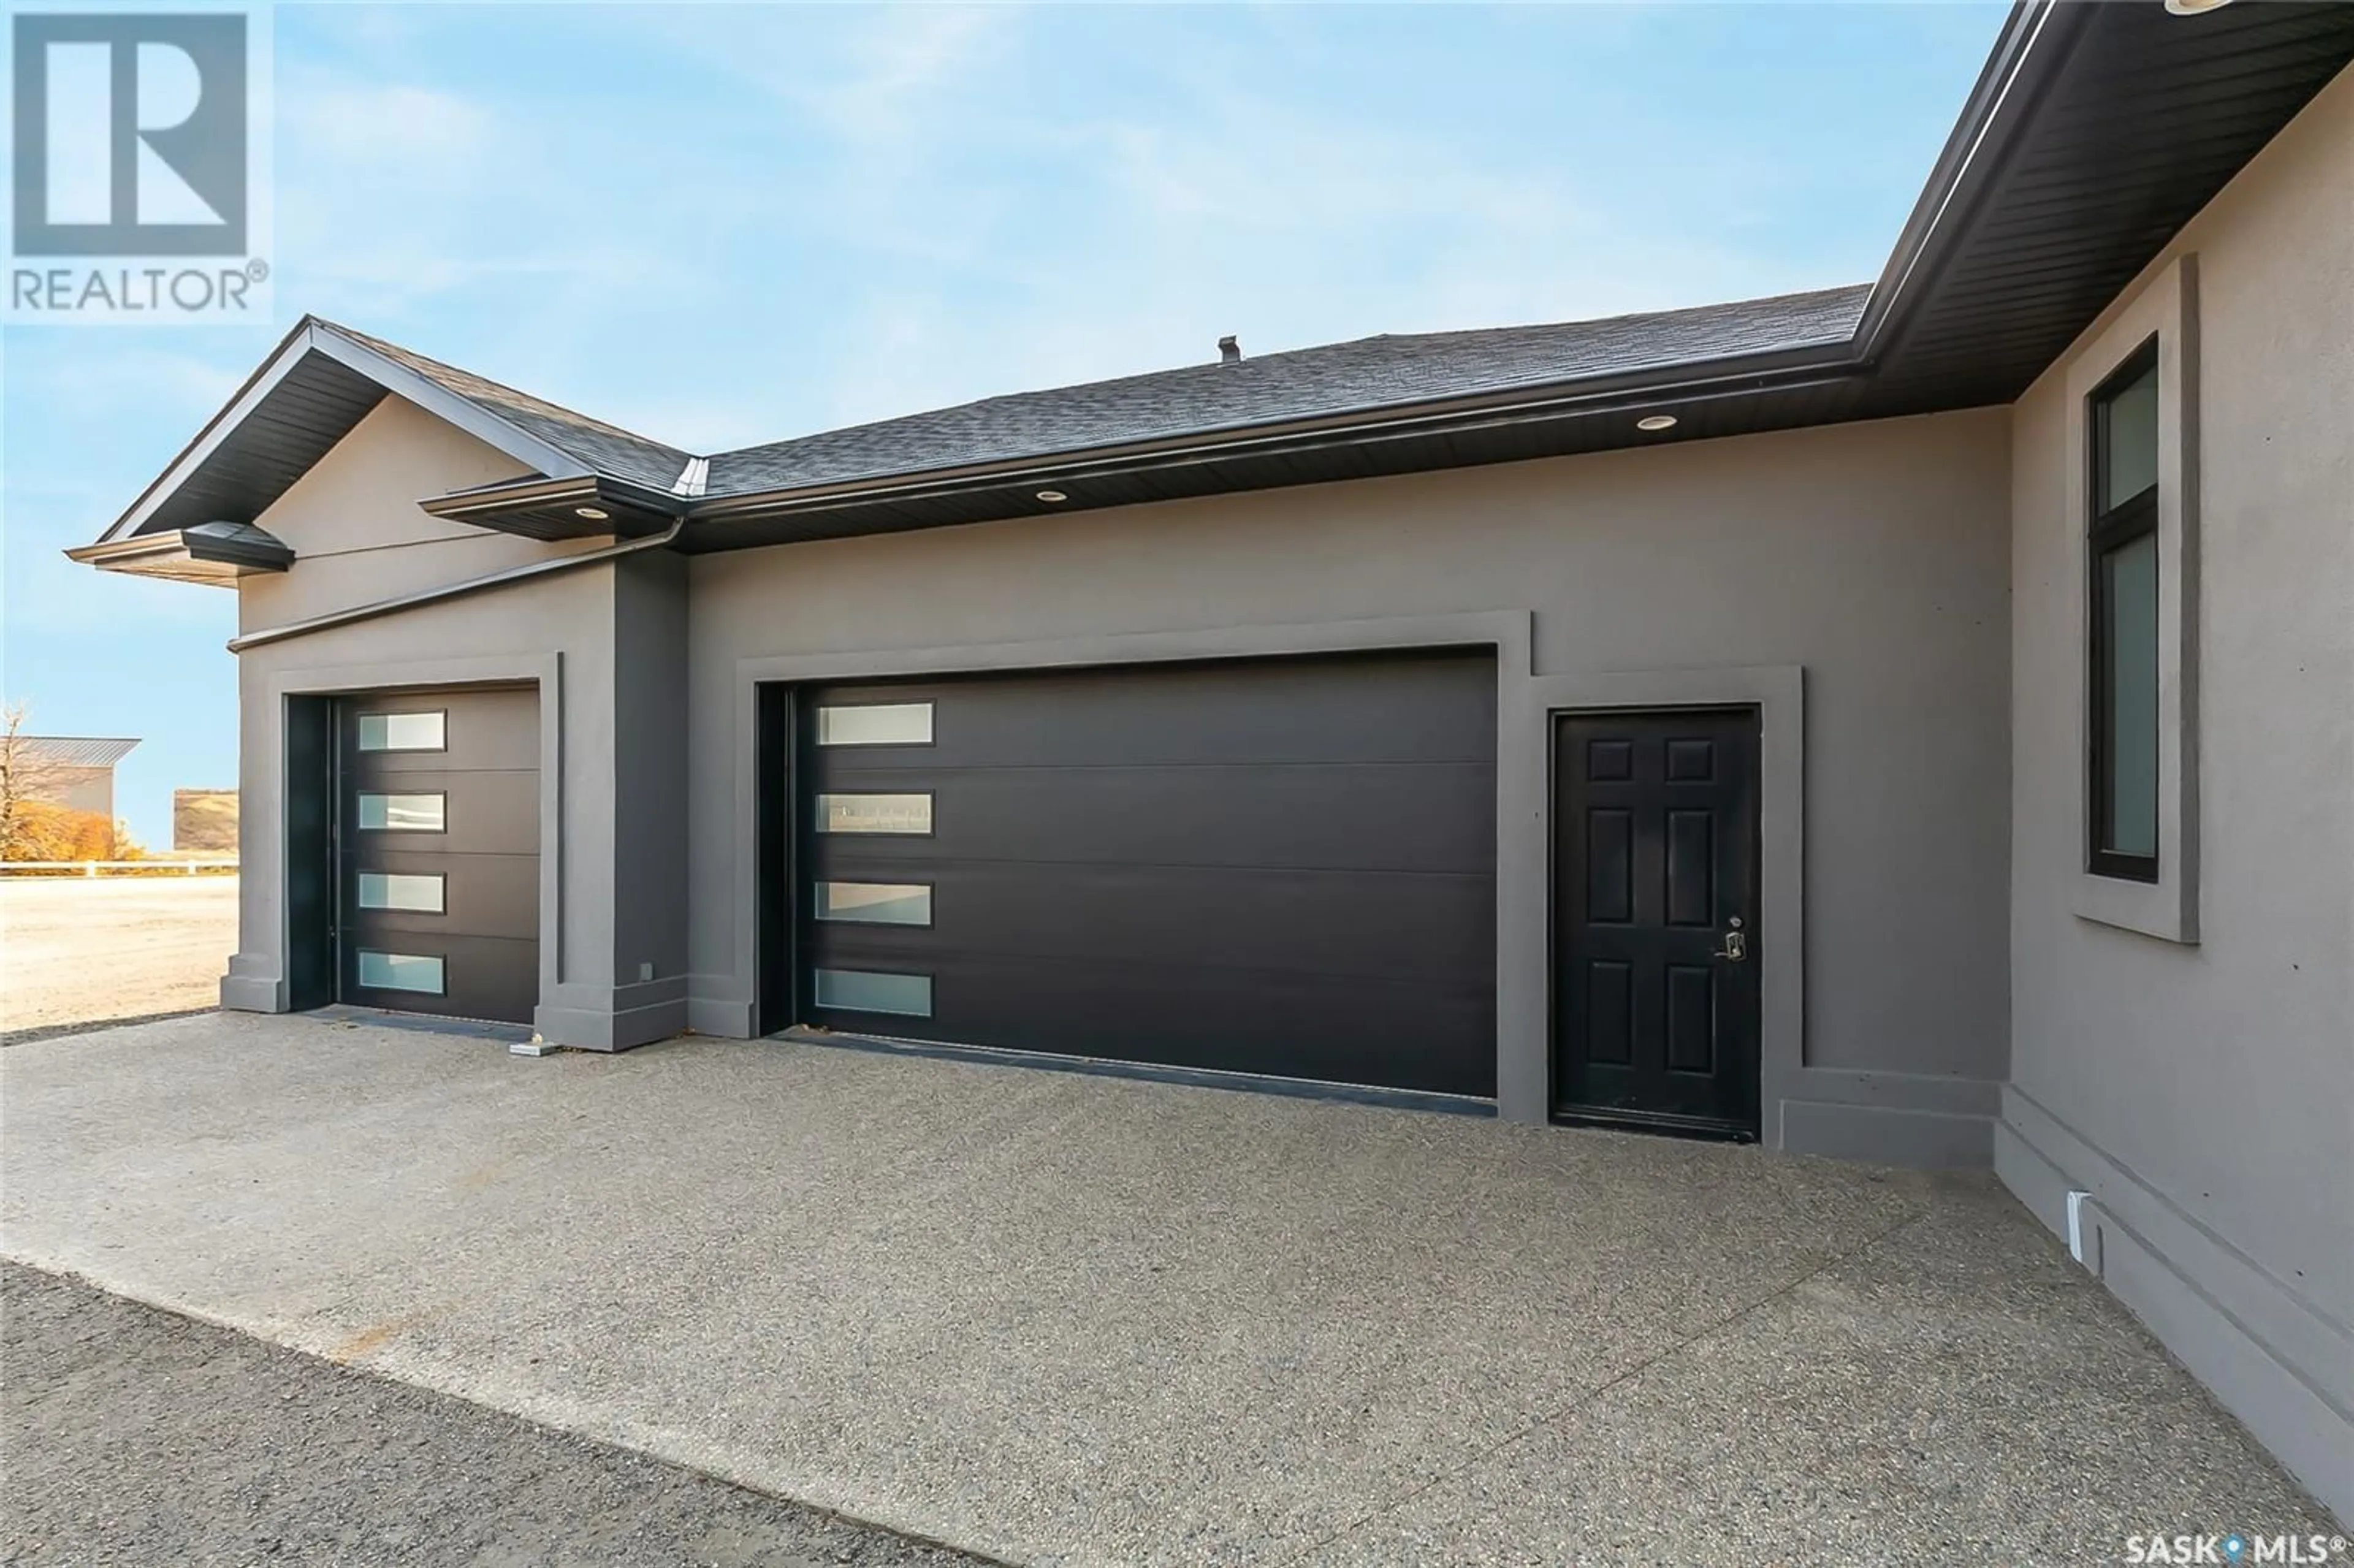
x: 76, y: 950
x: 136, y: 1436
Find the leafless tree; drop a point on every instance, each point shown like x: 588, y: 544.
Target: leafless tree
x: 24, y: 774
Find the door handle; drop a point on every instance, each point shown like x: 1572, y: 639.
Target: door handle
x: 1736, y: 945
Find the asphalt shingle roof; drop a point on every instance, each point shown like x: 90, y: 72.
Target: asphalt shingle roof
x: 1368, y: 373
x: 607, y: 448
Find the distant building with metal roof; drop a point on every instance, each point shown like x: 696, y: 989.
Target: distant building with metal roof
x: 75, y: 771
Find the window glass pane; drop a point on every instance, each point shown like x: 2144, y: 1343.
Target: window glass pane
x: 401, y: 971
x: 875, y: 813
x: 402, y: 731
x: 2129, y: 701
x: 385, y: 890
x: 403, y: 813
x: 877, y: 724
x: 864, y: 991
x: 875, y: 903
x: 2129, y: 444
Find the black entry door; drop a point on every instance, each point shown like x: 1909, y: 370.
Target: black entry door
x: 1280, y: 866
x: 437, y: 831
x: 1655, y: 918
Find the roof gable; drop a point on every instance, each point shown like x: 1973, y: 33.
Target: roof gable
x: 316, y: 387
x: 593, y: 443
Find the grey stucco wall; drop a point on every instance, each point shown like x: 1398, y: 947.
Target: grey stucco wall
x: 357, y: 533
x: 1873, y: 557
x: 648, y: 765
x: 358, y: 537
x: 2203, y: 1094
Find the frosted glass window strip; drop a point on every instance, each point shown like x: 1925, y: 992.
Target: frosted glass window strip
x: 875, y: 724
x: 404, y: 732
x: 2129, y: 444
x: 401, y: 971
x: 875, y: 903
x: 2131, y: 704
x: 405, y: 813
x: 875, y: 814
x: 870, y: 991
x: 392, y: 890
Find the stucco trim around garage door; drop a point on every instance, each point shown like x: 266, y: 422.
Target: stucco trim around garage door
x: 1897, y: 1117
x: 257, y: 982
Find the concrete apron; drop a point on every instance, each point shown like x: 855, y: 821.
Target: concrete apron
x: 1073, y: 1319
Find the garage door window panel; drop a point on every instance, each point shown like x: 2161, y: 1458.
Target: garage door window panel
x: 418, y: 972
x: 416, y: 731
x: 900, y: 815
x: 404, y: 814
x: 874, y: 724
x: 874, y: 903
x: 423, y: 894
x: 874, y: 990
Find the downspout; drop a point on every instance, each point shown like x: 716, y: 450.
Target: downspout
x: 454, y: 590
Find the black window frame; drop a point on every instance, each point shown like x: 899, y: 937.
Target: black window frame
x: 2108, y: 530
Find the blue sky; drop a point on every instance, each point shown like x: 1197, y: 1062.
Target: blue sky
x: 730, y: 224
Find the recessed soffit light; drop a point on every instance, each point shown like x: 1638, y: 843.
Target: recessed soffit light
x: 1052, y: 495
x: 1655, y: 422
x: 2194, y: 7
x: 594, y: 513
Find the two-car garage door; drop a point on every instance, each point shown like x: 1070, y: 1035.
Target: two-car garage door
x: 1280, y: 867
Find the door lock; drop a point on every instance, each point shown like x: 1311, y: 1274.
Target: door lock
x: 1736, y: 944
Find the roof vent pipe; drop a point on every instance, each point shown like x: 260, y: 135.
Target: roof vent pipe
x: 1229, y: 350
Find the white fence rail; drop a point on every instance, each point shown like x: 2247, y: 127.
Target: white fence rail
x: 101, y: 867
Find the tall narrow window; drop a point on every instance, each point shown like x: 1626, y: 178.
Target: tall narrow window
x: 2123, y: 586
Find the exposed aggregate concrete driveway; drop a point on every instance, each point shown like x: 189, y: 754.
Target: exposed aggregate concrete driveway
x: 1058, y: 1319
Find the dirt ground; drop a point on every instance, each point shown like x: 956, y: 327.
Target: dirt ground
x: 87, y: 949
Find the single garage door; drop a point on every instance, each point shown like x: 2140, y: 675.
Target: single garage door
x: 1267, y: 866
x: 438, y: 856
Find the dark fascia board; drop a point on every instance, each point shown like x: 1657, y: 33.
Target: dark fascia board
x: 213, y: 554
x: 1627, y: 393
x: 311, y: 335
x: 237, y: 544
x: 490, y: 505
x: 465, y: 506
x: 2035, y: 41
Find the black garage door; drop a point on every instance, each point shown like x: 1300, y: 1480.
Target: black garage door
x: 438, y: 866
x: 1267, y: 866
